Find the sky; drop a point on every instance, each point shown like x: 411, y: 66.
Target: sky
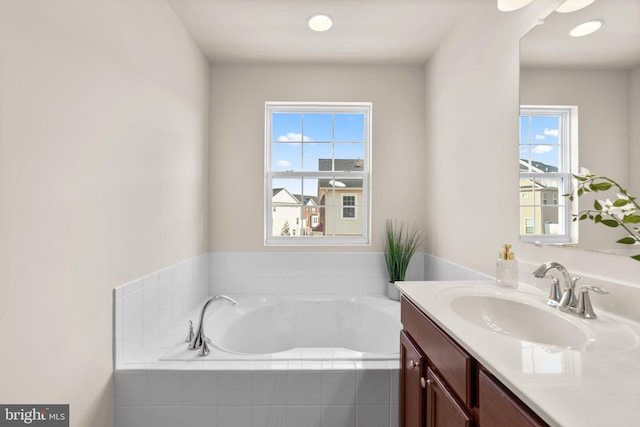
x: 299, y: 140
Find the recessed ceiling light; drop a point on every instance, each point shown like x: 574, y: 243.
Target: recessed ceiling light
x: 573, y: 5
x: 320, y: 22
x: 510, y: 5
x: 587, y: 28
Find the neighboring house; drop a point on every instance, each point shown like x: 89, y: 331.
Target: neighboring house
x: 310, y: 214
x: 286, y: 213
x: 340, y: 199
x: 536, y: 216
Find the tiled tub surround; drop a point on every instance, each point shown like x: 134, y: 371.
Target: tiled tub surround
x: 150, y: 315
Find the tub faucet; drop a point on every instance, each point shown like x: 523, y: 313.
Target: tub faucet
x: 199, y: 340
x: 568, y: 299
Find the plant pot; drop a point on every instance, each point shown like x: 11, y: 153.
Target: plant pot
x: 393, y: 292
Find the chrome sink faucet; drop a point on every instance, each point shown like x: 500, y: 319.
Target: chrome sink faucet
x: 567, y: 302
x: 199, y: 340
x: 568, y: 298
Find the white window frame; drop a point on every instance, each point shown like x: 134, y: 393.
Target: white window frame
x: 568, y: 165
x: 365, y: 205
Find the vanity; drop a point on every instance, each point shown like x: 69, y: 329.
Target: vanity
x: 475, y: 354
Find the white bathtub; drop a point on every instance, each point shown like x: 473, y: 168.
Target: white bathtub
x: 299, y: 328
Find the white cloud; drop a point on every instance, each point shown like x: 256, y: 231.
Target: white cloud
x: 539, y: 137
x: 551, y: 132
x: 541, y: 149
x: 283, y: 163
x: 293, y: 137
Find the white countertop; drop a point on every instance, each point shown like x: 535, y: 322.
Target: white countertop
x: 596, y: 384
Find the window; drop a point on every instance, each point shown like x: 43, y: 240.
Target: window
x: 347, y: 210
x: 548, y: 149
x: 528, y: 226
x: 317, y: 155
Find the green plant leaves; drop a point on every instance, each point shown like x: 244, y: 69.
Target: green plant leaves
x: 627, y: 241
x: 610, y: 223
x: 600, y: 186
x: 631, y: 219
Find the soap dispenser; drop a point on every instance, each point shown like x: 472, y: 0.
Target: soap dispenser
x: 507, y: 269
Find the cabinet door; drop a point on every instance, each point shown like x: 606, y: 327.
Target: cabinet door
x: 411, y: 393
x: 443, y: 410
x: 498, y: 407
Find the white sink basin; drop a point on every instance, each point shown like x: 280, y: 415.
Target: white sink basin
x: 520, y: 320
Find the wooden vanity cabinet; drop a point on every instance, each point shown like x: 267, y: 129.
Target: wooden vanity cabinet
x: 441, y: 385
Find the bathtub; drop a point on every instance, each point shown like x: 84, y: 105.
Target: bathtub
x: 303, y: 328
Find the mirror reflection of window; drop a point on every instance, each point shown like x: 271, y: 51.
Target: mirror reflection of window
x: 546, y: 145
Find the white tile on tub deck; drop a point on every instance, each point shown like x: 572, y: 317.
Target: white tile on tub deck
x: 304, y: 387
x: 233, y: 264
x: 216, y: 264
x: 164, y: 416
x: 118, y: 315
x: 232, y: 416
x: 132, y: 343
x: 252, y: 264
x: 132, y: 309
x: 164, y: 387
x: 269, y: 416
x: 234, y: 388
x: 199, y: 416
x: 133, y: 286
x: 372, y: 416
x: 150, y: 300
x: 269, y: 387
x: 394, y: 415
x: 177, y: 297
x: 130, y: 388
x: 394, y: 379
x: 372, y: 387
x: 338, y: 388
x: 130, y: 416
x: 199, y: 388
x: 339, y: 416
x: 304, y: 416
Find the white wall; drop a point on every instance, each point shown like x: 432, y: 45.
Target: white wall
x: 602, y: 97
x: 238, y: 94
x: 103, y: 151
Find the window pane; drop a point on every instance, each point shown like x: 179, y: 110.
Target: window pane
x: 525, y: 157
x: 318, y: 127
x: 349, y: 157
x: 526, y: 192
x: 314, y: 152
x: 286, y: 127
x: 525, y: 129
x: 545, y: 158
x: 349, y: 127
x: 547, y: 187
x: 287, y: 156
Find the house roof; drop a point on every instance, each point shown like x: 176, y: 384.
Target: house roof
x: 536, y: 166
x: 341, y: 165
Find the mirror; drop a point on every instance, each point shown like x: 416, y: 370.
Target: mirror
x: 600, y: 74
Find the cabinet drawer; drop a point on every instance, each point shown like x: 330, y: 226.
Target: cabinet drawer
x: 497, y: 406
x: 448, y: 358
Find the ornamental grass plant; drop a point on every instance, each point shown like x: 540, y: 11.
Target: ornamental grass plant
x: 400, y: 243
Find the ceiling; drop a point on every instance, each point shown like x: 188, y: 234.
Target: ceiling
x: 364, y: 31
x: 615, y: 45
